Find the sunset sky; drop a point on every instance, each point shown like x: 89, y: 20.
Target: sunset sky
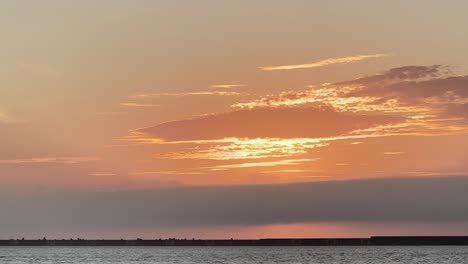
x: 246, y: 119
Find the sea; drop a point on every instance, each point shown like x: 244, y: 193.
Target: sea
x: 254, y: 255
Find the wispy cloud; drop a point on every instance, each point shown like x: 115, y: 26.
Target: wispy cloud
x: 7, y: 118
x: 115, y: 113
x: 62, y: 160
x: 38, y: 70
x: 325, y: 62
x: 283, y: 171
x: 4, y: 117
x: 101, y: 174
x: 172, y: 172
x: 393, y: 153
x: 227, y: 86
x: 208, y: 93
x: 138, y: 105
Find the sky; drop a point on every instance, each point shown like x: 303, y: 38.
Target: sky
x: 244, y: 119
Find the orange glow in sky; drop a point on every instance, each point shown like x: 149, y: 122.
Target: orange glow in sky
x: 136, y: 96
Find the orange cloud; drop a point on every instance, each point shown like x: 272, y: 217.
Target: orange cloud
x: 303, y: 124
x: 460, y: 110
x: 426, y: 95
x: 284, y: 122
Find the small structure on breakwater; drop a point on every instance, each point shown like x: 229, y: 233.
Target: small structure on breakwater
x: 372, y: 241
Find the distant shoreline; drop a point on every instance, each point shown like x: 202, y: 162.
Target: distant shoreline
x: 371, y: 241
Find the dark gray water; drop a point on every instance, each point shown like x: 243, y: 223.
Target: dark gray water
x: 208, y: 255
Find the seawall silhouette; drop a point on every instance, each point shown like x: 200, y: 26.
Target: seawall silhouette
x: 371, y: 241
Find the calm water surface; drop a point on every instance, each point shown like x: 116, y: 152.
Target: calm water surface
x: 208, y: 255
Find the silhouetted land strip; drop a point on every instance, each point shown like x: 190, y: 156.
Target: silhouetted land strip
x: 372, y: 241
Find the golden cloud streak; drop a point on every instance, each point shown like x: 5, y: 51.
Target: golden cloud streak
x: 417, y: 127
x: 325, y: 62
x: 258, y: 164
x: 417, y: 124
x: 335, y: 96
x: 227, y: 86
x: 243, y: 148
x: 248, y: 149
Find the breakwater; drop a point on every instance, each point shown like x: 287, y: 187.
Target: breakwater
x: 371, y: 241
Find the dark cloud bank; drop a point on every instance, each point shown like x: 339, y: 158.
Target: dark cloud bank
x: 416, y: 83
x: 421, y: 200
